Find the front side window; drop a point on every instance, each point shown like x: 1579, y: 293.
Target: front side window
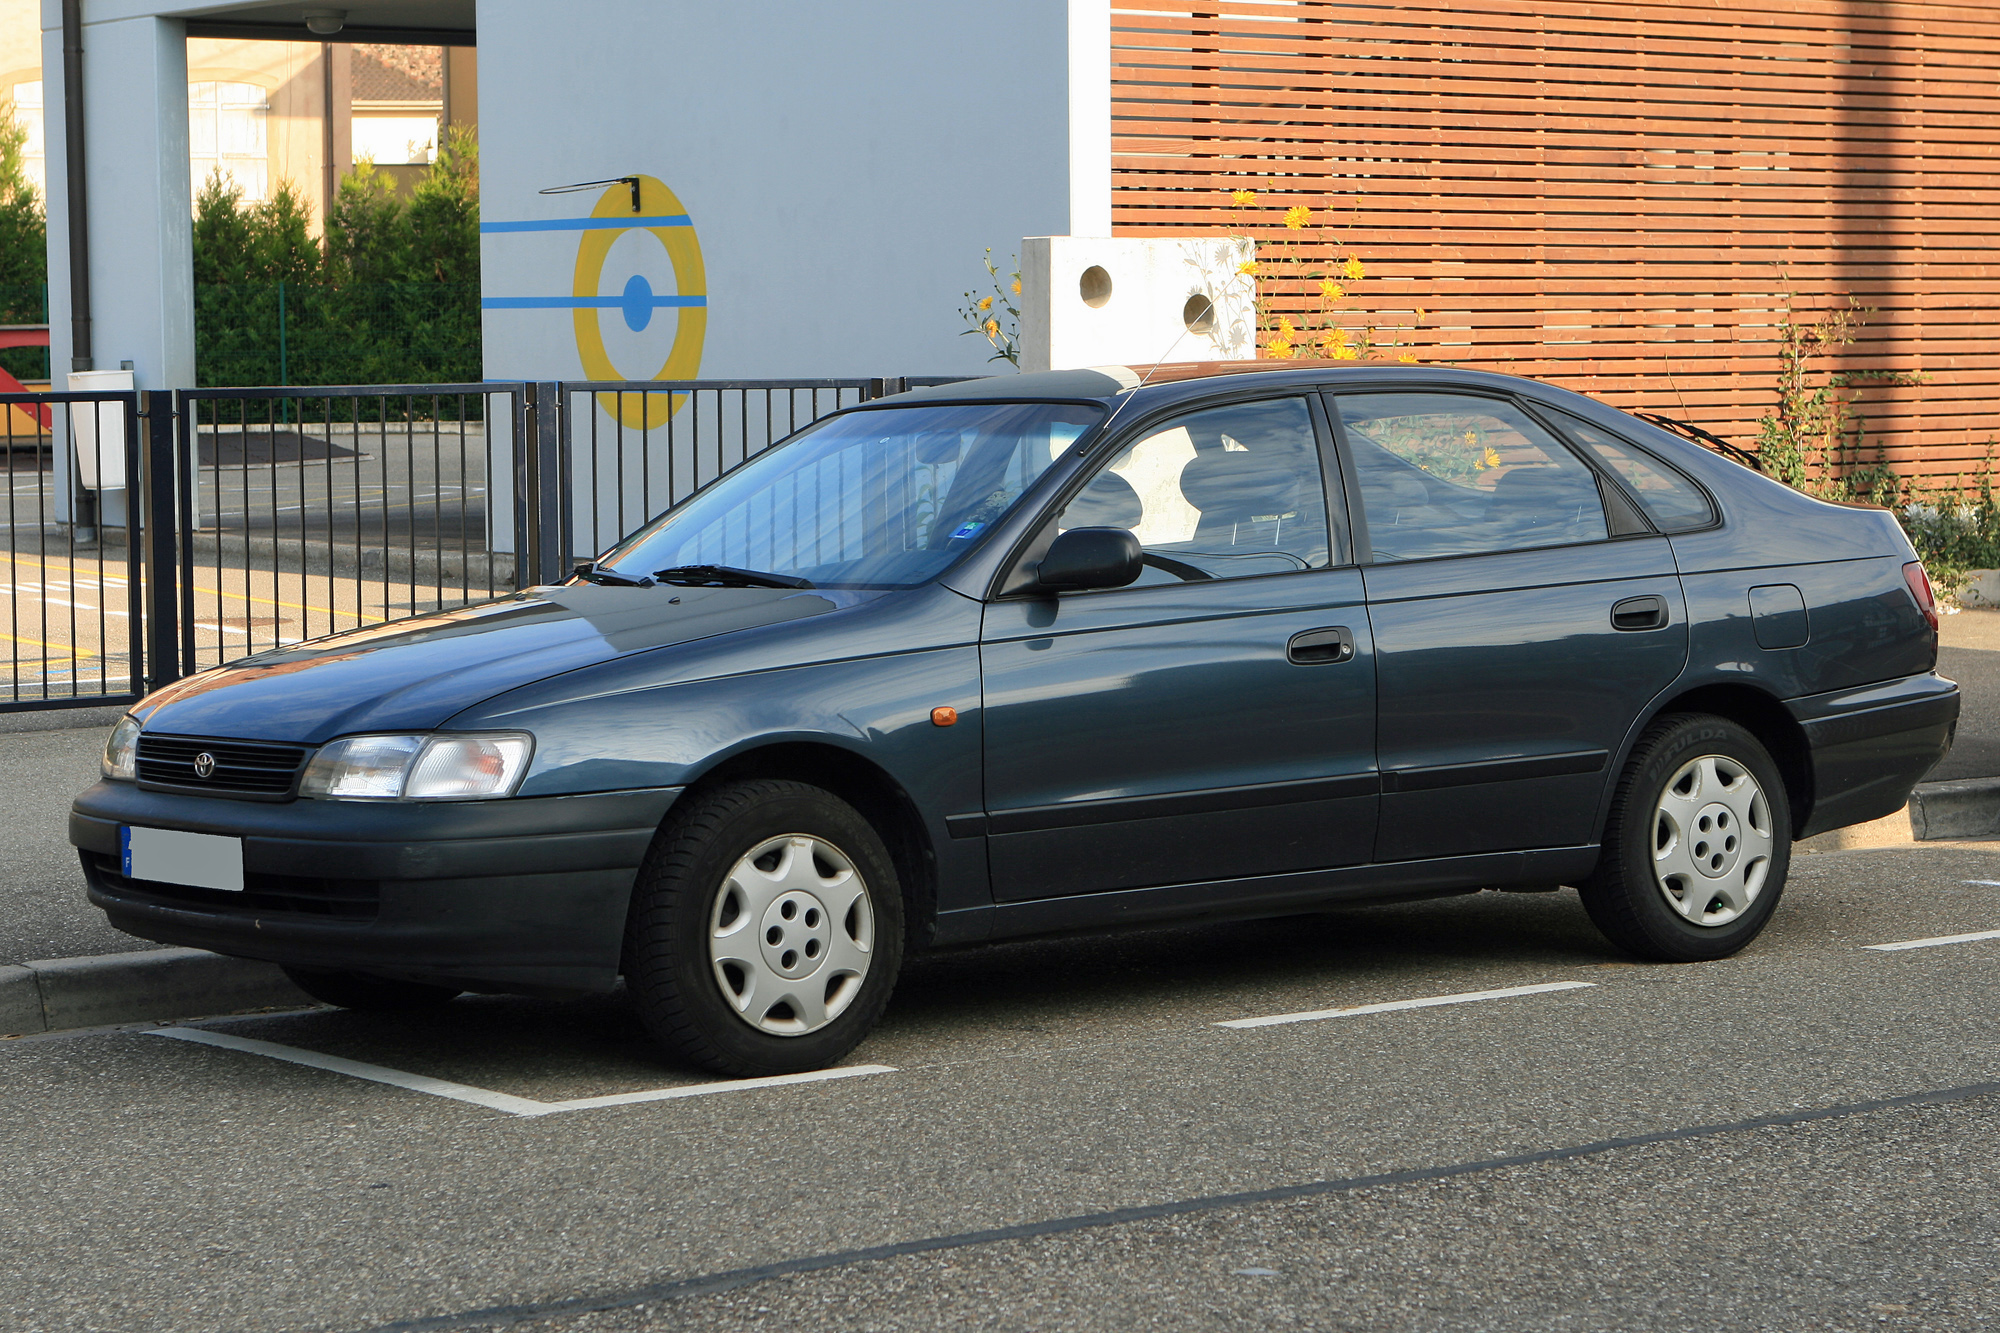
x: 1445, y: 474
x: 1224, y: 493
x: 882, y: 498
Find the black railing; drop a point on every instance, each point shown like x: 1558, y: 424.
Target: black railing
x: 155, y: 534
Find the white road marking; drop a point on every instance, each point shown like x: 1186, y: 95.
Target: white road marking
x: 498, y: 1101
x: 1934, y: 941
x: 1987, y: 883
x: 1466, y: 997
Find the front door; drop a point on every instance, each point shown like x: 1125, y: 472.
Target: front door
x: 1214, y: 720
x: 1524, y: 614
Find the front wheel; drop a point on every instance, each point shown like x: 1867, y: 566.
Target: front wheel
x: 766, y: 930
x: 1697, y: 846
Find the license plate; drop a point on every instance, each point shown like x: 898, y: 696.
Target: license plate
x: 196, y: 860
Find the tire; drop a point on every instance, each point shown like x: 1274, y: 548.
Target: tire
x: 766, y: 930
x: 1697, y: 846
x: 368, y: 993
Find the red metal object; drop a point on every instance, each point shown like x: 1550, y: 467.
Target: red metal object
x: 24, y: 335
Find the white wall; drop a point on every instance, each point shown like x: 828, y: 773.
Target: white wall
x: 843, y: 167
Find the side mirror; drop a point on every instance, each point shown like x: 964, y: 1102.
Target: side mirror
x: 1085, y: 558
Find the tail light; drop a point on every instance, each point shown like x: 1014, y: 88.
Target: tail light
x: 1920, y: 588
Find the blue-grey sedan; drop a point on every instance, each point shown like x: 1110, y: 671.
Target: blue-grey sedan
x: 1051, y: 653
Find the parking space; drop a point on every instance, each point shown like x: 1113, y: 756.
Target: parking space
x: 1026, y: 1086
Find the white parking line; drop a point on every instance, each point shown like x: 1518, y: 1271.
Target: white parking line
x: 498, y: 1101
x: 1934, y: 941
x: 1983, y: 883
x: 1466, y: 997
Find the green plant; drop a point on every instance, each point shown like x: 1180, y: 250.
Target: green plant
x: 1815, y: 437
x: 23, y: 250
x: 1310, y: 274
x: 984, y: 314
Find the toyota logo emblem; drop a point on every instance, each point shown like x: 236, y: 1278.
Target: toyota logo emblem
x: 204, y: 765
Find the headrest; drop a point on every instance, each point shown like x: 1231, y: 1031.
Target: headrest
x: 1537, y: 483
x: 1396, y: 488
x: 1108, y: 502
x: 1236, y: 485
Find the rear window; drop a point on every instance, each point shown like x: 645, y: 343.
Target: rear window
x: 1674, y: 503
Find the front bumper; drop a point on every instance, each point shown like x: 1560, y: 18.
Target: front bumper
x: 1869, y: 746
x: 524, y: 895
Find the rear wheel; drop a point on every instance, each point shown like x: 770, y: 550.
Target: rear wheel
x: 366, y: 992
x: 1697, y: 846
x: 766, y: 930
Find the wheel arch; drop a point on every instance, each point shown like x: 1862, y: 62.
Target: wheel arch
x: 866, y: 786
x: 1757, y: 711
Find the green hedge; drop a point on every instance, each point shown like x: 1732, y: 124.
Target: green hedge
x: 283, y: 333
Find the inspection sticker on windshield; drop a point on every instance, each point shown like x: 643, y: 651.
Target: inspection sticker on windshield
x: 966, y: 530
x: 169, y: 856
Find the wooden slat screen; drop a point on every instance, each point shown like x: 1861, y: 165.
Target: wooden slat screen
x: 1610, y: 196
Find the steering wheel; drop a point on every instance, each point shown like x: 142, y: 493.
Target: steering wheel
x: 1180, y: 569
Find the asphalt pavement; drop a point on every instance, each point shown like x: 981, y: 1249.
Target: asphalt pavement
x: 42, y: 910
x: 1795, y: 1138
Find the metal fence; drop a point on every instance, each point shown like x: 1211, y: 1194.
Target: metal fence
x: 156, y: 534
x: 72, y: 583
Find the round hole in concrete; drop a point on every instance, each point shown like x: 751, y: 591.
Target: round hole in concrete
x: 1199, y: 314
x: 1094, y: 286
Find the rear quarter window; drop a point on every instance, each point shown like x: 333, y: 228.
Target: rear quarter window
x: 1674, y: 503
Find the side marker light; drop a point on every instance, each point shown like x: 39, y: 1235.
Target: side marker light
x: 944, y: 717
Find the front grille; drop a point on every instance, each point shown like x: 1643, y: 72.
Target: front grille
x: 242, y: 768
x: 263, y: 895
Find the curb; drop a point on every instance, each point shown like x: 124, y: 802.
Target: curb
x: 152, y: 985
x: 1969, y: 808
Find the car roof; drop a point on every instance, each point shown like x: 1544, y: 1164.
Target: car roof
x: 1171, y: 382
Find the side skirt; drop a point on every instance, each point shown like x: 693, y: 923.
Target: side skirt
x: 1264, y: 895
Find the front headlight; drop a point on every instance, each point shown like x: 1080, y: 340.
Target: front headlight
x: 419, y: 768
x: 121, y: 752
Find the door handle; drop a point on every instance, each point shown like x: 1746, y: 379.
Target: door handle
x: 1640, y: 613
x: 1316, y: 646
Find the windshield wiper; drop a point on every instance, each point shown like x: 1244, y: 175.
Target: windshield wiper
x: 589, y: 571
x: 726, y: 576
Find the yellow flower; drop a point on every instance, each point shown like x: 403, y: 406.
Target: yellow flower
x: 1422, y: 315
x: 1297, y: 217
x: 1017, y: 286
x: 986, y: 303
x: 1333, y: 339
x: 1330, y: 290
x: 1407, y: 359
x: 1489, y: 458
x: 1352, y: 270
x: 1345, y: 354
x: 1280, y: 351
x: 1241, y: 197
x: 992, y: 328
x: 1471, y: 436
x: 1286, y: 328
x: 1248, y: 266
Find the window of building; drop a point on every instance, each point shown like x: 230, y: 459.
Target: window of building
x: 226, y: 134
x: 28, y: 115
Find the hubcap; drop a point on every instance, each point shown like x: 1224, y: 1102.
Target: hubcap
x: 1712, y: 841
x: 791, y: 935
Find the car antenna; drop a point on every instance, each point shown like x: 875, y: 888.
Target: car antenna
x: 1187, y: 327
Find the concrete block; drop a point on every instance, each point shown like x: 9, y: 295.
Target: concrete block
x: 1982, y: 588
x: 1969, y: 808
x: 1097, y: 301
x: 20, y: 1002
x: 160, y: 984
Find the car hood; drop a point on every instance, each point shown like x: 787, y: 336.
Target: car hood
x: 410, y: 675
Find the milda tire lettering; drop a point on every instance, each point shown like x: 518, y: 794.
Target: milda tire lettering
x: 766, y: 929
x: 1698, y: 844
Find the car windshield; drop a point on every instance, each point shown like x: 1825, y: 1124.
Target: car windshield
x: 884, y: 498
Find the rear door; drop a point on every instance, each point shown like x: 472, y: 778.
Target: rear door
x: 1215, y: 720
x: 1524, y: 613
